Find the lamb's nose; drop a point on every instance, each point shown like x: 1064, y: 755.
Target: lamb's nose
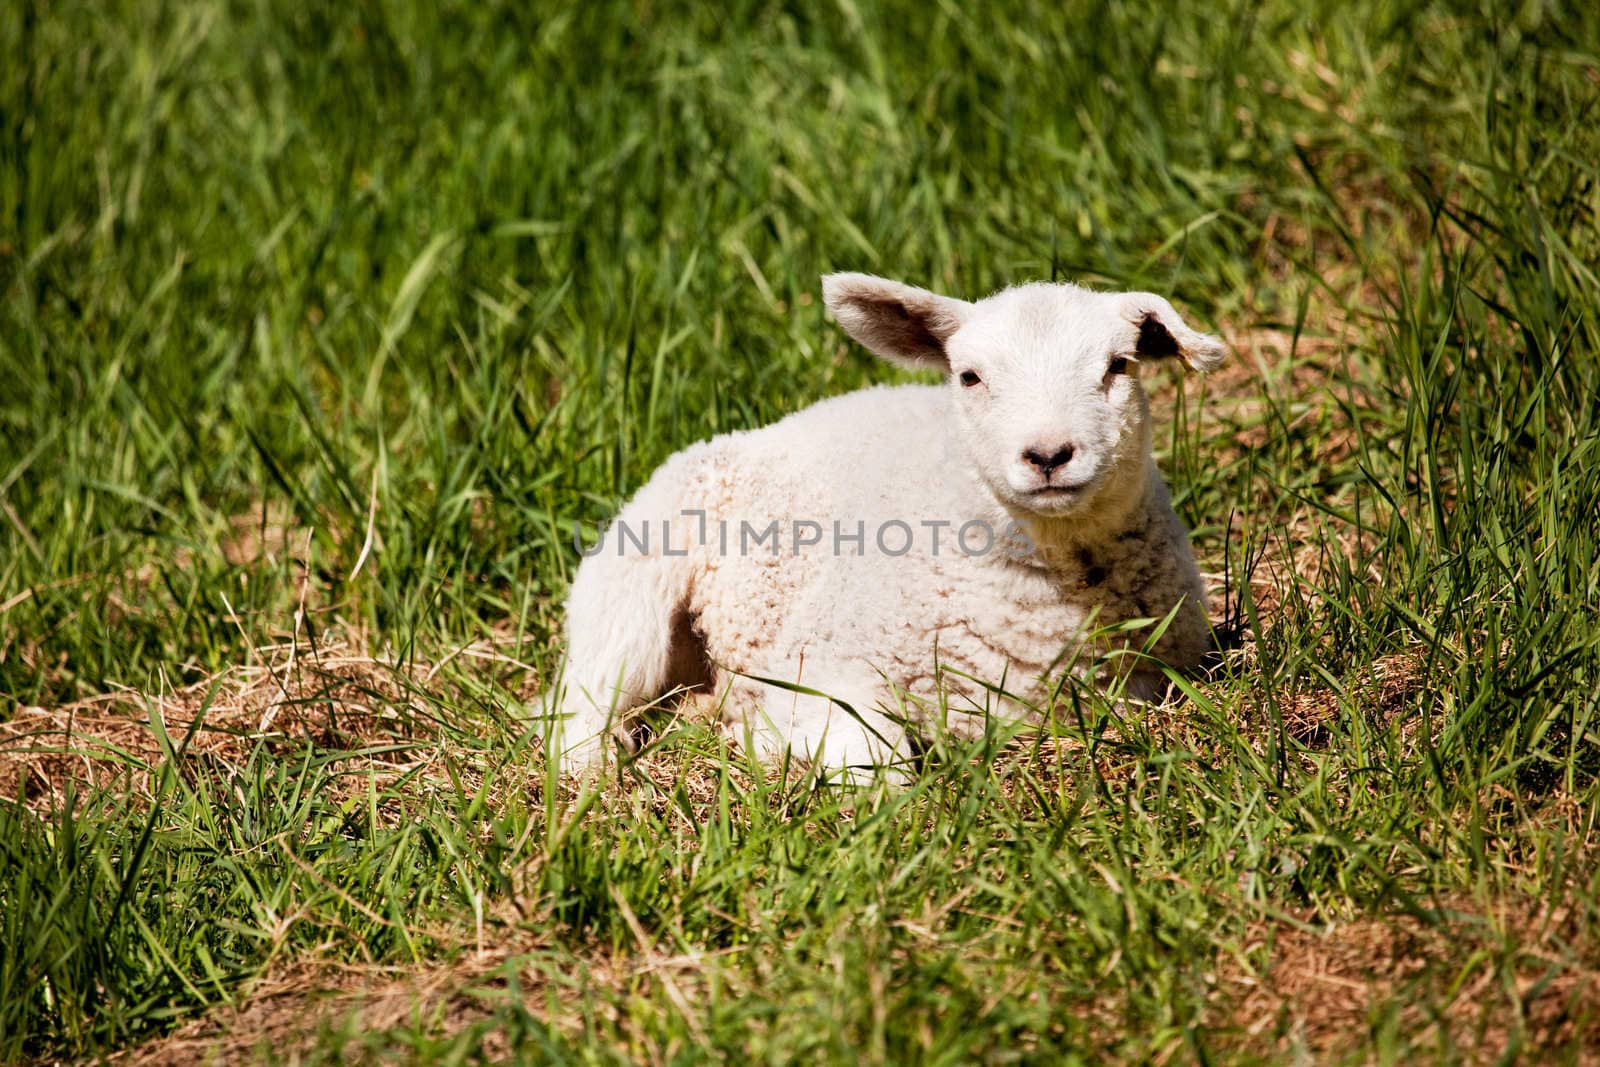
x: 1048, y: 461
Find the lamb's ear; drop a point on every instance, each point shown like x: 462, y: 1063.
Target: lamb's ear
x: 901, y: 323
x: 1163, y: 334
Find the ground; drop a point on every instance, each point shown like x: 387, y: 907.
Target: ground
x: 319, y: 329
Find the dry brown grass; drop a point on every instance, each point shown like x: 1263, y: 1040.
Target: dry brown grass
x: 281, y: 1016
x: 332, y: 694
x: 285, y: 1015
x: 1324, y: 989
x: 1380, y: 692
x: 296, y: 1008
x: 1280, y: 390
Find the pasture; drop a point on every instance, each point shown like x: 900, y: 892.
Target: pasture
x: 321, y: 326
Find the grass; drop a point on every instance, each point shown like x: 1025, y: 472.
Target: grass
x: 319, y: 327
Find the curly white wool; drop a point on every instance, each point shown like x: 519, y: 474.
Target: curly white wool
x: 901, y: 540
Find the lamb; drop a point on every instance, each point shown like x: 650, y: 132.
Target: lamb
x: 825, y: 580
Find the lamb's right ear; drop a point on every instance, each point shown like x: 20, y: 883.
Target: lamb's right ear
x: 901, y: 323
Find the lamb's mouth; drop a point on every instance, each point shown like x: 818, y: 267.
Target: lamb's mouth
x: 1048, y: 500
x: 1057, y: 492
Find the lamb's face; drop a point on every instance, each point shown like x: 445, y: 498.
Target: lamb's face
x: 1047, y: 398
x: 1045, y: 378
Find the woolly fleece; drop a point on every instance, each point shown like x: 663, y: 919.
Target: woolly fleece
x: 684, y: 591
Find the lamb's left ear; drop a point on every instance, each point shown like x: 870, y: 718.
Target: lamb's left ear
x: 901, y: 323
x: 1163, y: 334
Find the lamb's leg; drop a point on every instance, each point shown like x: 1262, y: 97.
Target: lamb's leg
x: 626, y: 606
x: 845, y: 731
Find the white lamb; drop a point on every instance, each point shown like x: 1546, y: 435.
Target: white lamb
x: 899, y: 542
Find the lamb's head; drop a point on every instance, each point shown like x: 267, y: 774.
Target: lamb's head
x: 1045, y: 378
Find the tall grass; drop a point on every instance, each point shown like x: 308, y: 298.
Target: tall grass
x: 353, y: 311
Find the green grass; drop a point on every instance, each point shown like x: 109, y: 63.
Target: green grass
x: 272, y: 275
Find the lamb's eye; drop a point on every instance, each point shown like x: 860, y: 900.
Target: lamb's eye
x: 970, y: 378
x: 1118, y: 365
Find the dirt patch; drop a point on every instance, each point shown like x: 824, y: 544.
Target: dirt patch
x: 285, y: 1014
x: 331, y: 694
x: 309, y: 1004
x: 1380, y: 692
x: 348, y: 1011
x: 1530, y: 982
